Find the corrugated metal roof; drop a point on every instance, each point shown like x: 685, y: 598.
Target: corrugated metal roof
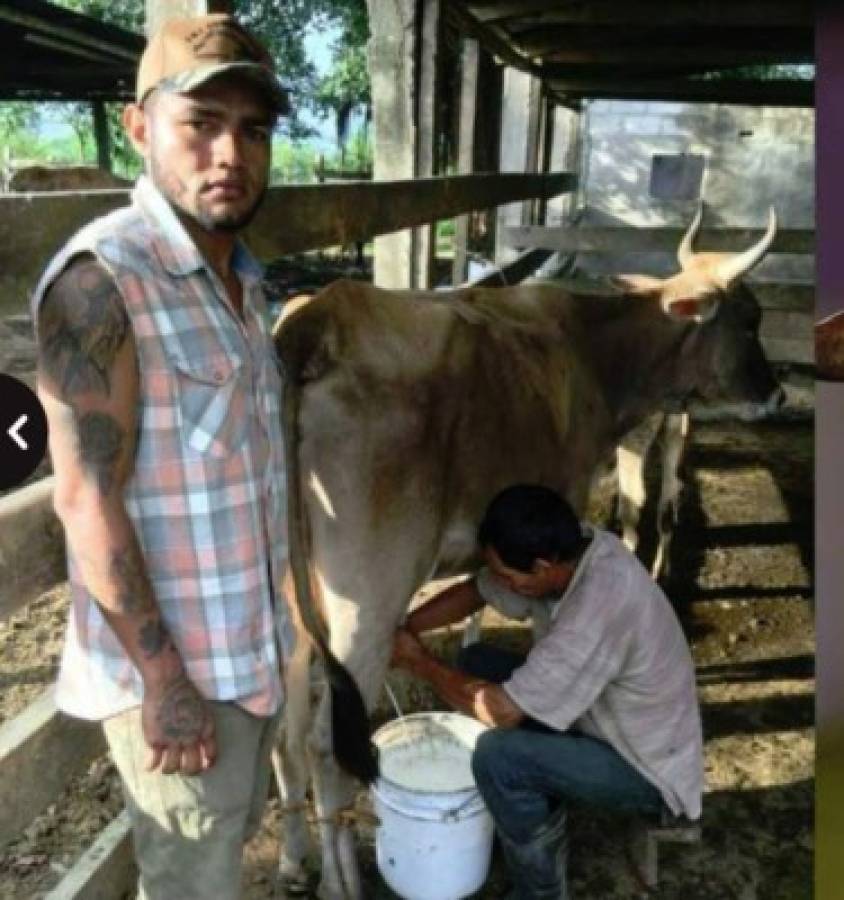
x: 50, y: 53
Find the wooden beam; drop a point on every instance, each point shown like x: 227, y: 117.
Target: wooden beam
x: 488, y: 38
x: 786, y: 296
x: 66, y: 33
x: 654, y: 240
x: 689, y: 13
x: 41, y: 749
x: 465, y: 148
x: 101, y: 135
x: 106, y: 870
x: 293, y: 218
x: 540, y: 41
x: 782, y: 325
x: 302, y: 217
x: 518, y: 148
x: 486, y: 157
x: 32, y: 554
x: 566, y: 145
x: 789, y: 350
x: 560, y: 63
x: 740, y: 92
x: 65, y: 82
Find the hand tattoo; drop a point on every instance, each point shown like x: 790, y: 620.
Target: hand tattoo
x: 181, y: 713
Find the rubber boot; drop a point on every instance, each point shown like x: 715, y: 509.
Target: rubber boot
x: 538, y: 865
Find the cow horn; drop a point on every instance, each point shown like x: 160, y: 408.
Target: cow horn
x: 740, y: 264
x: 684, y: 251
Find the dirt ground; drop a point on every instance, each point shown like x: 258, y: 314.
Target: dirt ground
x: 743, y: 563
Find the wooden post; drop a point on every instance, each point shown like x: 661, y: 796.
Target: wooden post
x: 465, y: 150
x: 534, y: 143
x: 565, y: 157
x: 101, y: 135
x: 391, y: 67
x: 546, y: 140
x: 519, y: 145
x: 486, y: 157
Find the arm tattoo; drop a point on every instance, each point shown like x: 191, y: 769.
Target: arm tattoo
x: 181, y: 713
x: 135, y: 591
x: 81, y: 326
x: 153, y: 638
x: 100, y: 443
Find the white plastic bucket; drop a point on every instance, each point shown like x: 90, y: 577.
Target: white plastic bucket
x: 434, y: 841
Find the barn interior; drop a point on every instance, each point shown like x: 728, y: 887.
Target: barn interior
x: 480, y: 114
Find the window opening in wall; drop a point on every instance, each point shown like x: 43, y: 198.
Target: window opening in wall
x: 676, y: 176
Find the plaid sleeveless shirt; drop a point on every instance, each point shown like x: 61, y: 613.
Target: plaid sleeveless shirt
x: 207, y: 495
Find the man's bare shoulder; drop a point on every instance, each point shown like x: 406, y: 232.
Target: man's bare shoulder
x: 81, y: 326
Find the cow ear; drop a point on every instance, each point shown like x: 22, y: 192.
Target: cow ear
x: 697, y: 309
x: 636, y: 284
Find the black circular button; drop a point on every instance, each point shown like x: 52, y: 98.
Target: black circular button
x: 23, y: 432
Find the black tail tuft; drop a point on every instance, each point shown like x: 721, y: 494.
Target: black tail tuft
x: 355, y: 752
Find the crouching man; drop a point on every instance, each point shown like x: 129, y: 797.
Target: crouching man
x: 602, y: 711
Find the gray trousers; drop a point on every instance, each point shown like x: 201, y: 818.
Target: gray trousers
x: 189, y: 830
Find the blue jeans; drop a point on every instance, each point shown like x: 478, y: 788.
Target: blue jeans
x: 529, y: 773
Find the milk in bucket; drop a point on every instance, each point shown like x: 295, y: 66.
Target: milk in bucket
x: 434, y: 841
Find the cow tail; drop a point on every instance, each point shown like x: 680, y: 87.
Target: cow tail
x: 350, y: 730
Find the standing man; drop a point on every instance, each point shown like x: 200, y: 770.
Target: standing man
x: 161, y: 389
x: 603, y: 710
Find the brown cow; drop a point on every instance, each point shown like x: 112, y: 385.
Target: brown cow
x: 829, y: 347
x: 65, y: 178
x: 413, y: 409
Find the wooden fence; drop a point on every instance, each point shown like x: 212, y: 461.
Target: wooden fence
x: 41, y: 749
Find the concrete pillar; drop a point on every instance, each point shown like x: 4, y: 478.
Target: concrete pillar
x: 404, y: 70
x: 465, y: 149
x: 520, y: 120
x: 391, y: 68
x: 428, y: 84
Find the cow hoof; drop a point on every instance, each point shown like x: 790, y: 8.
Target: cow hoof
x: 288, y: 886
x: 295, y: 883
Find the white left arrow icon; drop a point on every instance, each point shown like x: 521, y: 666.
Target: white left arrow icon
x: 13, y: 432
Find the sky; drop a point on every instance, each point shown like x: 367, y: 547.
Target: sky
x: 317, y: 44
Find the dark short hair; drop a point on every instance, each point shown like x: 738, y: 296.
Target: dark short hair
x: 527, y: 522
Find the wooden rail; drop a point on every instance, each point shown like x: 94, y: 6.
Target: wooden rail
x: 106, y: 870
x: 293, y: 218
x: 648, y: 240
x: 32, y: 558
x: 40, y: 750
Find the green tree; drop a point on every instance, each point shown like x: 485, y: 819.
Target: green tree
x: 346, y: 87
x: 16, y: 117
x: 18, y: 126
x: 282, y: 27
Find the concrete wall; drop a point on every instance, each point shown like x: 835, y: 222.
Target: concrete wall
x: 753, y: 157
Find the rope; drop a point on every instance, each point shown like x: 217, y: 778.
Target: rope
x: 345, y: 817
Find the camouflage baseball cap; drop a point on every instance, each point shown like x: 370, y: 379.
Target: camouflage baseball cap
x: 186, y: 53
